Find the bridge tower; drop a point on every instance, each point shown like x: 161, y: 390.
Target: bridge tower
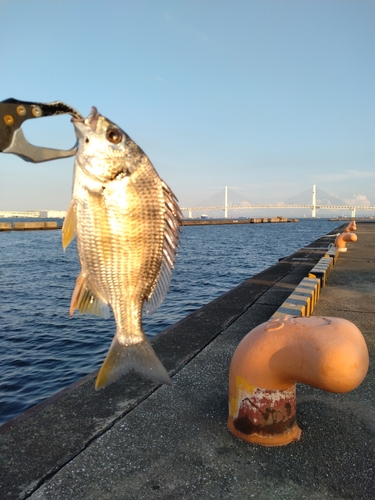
x: 226, y: 202
x: 313, y: 207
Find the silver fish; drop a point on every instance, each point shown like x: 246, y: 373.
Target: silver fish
x: 126, y: 220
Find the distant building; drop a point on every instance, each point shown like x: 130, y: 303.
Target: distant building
x: 12, y: 214
x: 52, y: 214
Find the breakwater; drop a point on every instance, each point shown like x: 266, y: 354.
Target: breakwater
x: 28, y: 226
x: 43, y: 225
x: 216, y: 222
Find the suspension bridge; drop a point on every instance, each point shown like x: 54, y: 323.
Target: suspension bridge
x: 313, y: 206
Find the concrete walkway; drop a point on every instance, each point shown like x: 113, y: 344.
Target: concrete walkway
x: 136, y: 440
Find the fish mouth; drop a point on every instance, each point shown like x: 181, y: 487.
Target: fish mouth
x: 80, y: 124
x: 92, y: 119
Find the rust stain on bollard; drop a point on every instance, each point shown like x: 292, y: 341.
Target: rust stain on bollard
x: 264, y: 416
x: 267, y: 412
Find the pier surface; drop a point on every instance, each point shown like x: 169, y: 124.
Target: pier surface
x: 136, y: 440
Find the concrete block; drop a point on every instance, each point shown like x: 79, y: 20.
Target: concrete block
x: 322, y: 269
x: 28, y: 225
x: 333, y: 253
x: 298, y: 302
x: 312, y: 283
x: 309, y: 291
x: 292, y: 308
x: 306, y: 295
x: 327, y: 262
x: 319, y: 274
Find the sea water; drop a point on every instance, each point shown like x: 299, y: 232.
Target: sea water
x: 43, y: 350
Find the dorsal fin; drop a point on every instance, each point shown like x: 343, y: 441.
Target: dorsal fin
x: 172, y: 223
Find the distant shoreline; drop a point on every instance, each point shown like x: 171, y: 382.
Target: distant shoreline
x: 216, y: 222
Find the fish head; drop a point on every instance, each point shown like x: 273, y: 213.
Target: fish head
x: 102, y: 146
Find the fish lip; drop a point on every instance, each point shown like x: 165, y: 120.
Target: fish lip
x: 91, y: 120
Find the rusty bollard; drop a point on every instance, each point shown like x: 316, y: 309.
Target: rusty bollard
x: 324, y: 352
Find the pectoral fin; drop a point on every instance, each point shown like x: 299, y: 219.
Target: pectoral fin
x: 86, y: 301
x: 69, y: 226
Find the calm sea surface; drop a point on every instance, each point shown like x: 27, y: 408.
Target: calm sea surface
x: 43, y: 350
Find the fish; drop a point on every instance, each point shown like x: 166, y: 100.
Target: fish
x: 126, y: 221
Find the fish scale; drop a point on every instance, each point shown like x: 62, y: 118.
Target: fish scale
x: 126, y: 220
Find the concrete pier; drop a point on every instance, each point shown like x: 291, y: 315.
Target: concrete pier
x: 136, y: 440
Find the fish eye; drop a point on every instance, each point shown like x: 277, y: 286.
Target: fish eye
x: 114, y: 135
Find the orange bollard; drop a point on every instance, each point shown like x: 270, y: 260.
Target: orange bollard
x: 324, y: 352
x: 351, y: 227
x: 342, y: 239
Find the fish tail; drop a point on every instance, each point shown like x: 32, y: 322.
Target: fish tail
x: 140, y: 357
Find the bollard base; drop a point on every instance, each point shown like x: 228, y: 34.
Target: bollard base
x: 263, y: 416
x: 293, y: 434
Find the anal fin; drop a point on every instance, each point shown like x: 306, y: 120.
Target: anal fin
x: 86, y: 301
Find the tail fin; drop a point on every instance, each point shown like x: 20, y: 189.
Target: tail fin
x: 121, y: 358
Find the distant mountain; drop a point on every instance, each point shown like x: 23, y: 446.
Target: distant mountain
x: 304, y: 198
x: 218, y: 199
x: 322, y: 198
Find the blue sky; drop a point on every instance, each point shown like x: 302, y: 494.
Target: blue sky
x: 267, y: 97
